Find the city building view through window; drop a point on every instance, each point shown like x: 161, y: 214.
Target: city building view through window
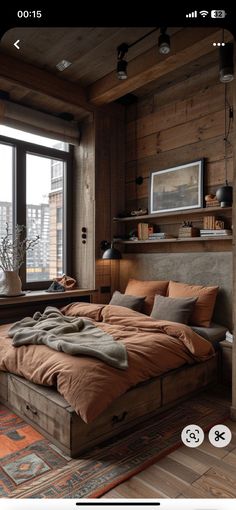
x: 44, y: 209
x: 44, y: 206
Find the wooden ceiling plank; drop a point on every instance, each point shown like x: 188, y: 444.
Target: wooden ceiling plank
x: 38, y: 80
x: 187, y: 45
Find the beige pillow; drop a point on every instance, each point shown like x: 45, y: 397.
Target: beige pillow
x: 204, y: 307
x: 148, y: 288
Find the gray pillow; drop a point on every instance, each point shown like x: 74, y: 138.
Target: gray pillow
x: 173, y: 309
x: 133, y: 302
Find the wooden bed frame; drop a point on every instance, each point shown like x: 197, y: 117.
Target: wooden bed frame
x: 51, y: 415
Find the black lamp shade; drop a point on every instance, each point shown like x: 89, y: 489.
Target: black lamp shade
x: 225, y: 195
x: 112, y: 254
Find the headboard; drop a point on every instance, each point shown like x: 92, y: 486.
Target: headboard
x: 208, y: 268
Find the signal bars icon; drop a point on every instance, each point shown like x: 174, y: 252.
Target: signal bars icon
x: 192, y: 14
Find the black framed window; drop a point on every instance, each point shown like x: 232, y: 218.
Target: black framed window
x: 35, y: 183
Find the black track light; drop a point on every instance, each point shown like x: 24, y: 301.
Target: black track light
x: 121, y: 63
x: 164, y: 42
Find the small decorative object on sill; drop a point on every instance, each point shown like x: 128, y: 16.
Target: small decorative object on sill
x: 62, y: 284
x: 67, y: 281
x: 211, y: 201
x: 56, y: 287
x: 187, y: 230
x: 13, y: 248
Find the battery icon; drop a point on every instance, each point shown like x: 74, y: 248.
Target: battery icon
x: 218, y: 14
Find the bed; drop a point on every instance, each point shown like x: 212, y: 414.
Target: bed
x: 167, y: 362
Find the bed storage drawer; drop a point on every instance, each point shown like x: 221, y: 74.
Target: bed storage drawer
x: 49, y: 413
x: 3, y: 386
x: 126, y: 411
x: 43, y: 407
x: 186, y: 380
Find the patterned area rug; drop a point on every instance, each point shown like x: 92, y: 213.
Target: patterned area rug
x: 31, y: 467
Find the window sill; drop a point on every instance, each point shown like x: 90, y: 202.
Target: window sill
x: 34, y: 296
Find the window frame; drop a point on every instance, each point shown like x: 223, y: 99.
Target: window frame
x: 20, y: 150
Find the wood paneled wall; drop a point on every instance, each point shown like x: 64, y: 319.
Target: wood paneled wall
x: 177, y: 125
x: 109, y: 192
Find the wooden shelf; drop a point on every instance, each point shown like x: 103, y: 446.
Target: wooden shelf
x: 179, y: 240
x: 186, y: 212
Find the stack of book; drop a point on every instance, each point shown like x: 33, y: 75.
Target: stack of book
x: 143, y: 231
x: 213, y: 203
x: 209, y: 222
x: 211, y: 232
x: 160, y: 235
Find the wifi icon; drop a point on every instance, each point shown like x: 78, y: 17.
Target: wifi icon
x: 203, y: 13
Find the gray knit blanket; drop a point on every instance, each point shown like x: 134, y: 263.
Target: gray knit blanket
x: 72, y: 335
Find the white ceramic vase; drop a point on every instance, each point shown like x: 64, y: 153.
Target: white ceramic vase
x: 10, y: 284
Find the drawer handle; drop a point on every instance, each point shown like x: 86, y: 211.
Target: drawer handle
x: 120, y: 418
x: 31, y: 409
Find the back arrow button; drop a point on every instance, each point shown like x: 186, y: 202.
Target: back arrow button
x: 16, y: 44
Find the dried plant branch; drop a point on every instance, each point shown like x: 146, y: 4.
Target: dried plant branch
x: 13, y: 248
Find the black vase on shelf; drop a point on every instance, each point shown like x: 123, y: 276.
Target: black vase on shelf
x: 225, y: 195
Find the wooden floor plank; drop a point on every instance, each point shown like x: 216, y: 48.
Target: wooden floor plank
x: 230, y: 458
x: 194, y: 493
x: 156, y: 477
x: 178, y: 470
x: 113, y: 494
x: 185, y: 456
x: 134, y: 488
x: 217, y: 483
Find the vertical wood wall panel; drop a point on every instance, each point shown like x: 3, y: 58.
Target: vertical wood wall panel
x: 84, y: 207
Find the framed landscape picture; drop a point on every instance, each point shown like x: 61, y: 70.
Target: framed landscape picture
x: 177, y: 188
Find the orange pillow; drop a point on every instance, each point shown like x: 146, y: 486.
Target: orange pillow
x: 147, y: 288
x: 204, y: 307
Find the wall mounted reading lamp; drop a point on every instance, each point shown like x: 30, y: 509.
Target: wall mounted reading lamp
x: 110, y: 252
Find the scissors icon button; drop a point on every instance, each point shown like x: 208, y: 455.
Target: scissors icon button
x: 220, y: 436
